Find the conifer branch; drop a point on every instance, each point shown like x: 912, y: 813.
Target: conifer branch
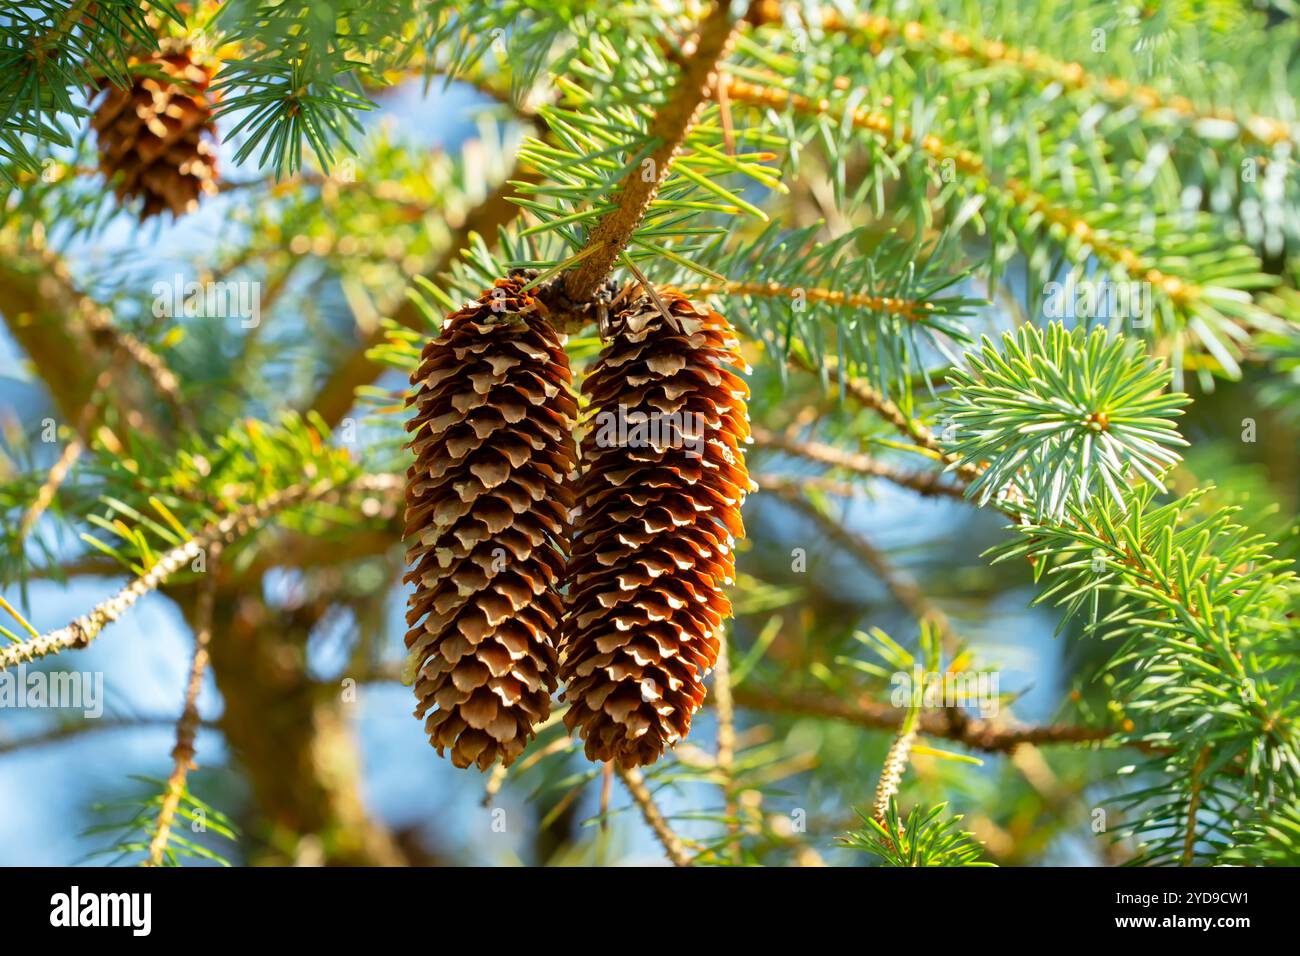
x: 42, y: 44
x: 870, y: 397
x: 864, y: 175
x: 54, y: 479
x: 900, y: 136
x: 949, y: 43
x: 1189, y: 594
x: 72, y: 730
x: 910, y: 309
x: 826, y: 486
x: 1193, y: 806
x: 641, y: 184
x: 85, y: 629
x: 62, y: 329
x: 100, y: 322
x: 976, y: 733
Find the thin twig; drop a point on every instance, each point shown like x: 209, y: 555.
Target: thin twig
x: 1194, y: 806
x: 902, y: 586
x: 59, y: 471
x: 85, y: 629
x: 54, y: 479
x: 188, y: 725
x: 976, y: 733
x: 672, y: 843
x: 928, y: 483
x: 829, y: 486
x: 649, y: 290
x: 973, y: 732
x: 496, y: 780
x: 726, y: 708
x: 606, y: 788
x: 100, y: 323
x: 870, y: 397
x: 70, y: 731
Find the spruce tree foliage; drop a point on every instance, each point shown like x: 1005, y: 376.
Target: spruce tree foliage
x: 1035, y: 267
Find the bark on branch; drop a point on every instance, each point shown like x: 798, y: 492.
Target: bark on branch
x: 671, y: 124
x: 976, y: 733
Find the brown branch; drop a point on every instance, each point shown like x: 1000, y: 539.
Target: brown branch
x: 870, y: 397
x: 725, y: 704
x: 187, y: 726
x: 928, y: 483
x: 672, y: 843
x: 100, y: 322
x: 70, y: 731
x: 36, y: 299
x: 64, y: 332
x: 975, y: 733
x: 1194, y: 805
x: 904, y: 589
x: 668, y: 129
x: 337, y: 394
x: 83, y: 630
x: 62, y: 466
x: 58, y: 473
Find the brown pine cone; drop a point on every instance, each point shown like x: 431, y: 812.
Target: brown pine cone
x: 658, y: 513
x: 155, y: 137
x: 487, y: 509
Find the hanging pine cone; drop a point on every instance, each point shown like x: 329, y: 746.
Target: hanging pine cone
x: 658, y: 513
x: 155, y: 136
x: 487, y: 524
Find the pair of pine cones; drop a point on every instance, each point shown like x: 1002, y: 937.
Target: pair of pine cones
x: 525, y: 576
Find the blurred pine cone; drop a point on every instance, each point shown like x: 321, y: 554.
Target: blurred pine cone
x: 487, y: 524
x: 658, y: 512
x: 155, y: 136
